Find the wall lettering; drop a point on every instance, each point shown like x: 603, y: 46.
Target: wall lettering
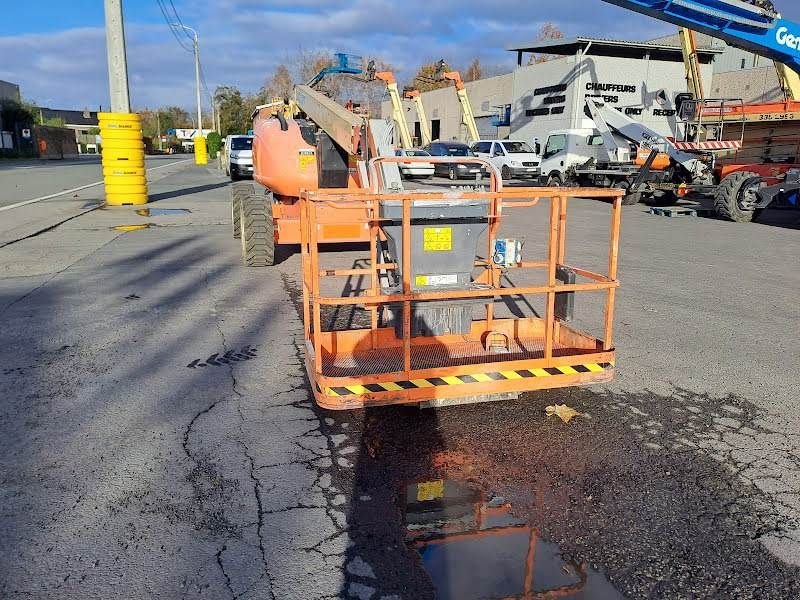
x: 611, y: 87
x: 553, y: 89
x: 537, y: 112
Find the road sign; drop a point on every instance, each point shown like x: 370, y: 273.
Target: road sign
x: 26, y: 133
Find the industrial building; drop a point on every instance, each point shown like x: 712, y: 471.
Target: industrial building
x: 639, y: 78
x: 9, y: 91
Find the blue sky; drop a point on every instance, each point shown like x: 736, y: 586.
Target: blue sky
x: 55, y: 49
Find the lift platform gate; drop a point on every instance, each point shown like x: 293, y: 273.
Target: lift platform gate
x: 372, y: 362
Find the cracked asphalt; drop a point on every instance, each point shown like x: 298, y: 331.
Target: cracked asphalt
x: 158, y: 438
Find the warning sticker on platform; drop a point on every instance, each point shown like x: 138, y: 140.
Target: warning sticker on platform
x: 430, y: 490
x: 306, y: 158
x: 429, y: 280
x: 438, y: 239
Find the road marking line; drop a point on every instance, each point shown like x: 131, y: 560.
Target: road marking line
x: 83, y: 187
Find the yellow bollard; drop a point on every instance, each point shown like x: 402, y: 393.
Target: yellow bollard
x: 123, y: 158
x: 200, y: 151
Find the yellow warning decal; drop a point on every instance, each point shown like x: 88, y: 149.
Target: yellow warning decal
x: 306, y: 158
x: 430, y: 490
x: 437, y: 239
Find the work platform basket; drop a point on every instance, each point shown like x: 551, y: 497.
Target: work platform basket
x: 367, y: 359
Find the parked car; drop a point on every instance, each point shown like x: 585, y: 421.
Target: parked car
x: 237, y: 156
x: 513, y: 158
x: 455, y: 170
x: 411, y: 170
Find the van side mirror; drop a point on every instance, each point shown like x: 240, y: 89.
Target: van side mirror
x: 537, y: 148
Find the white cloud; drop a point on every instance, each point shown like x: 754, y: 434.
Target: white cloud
x: 242, y: 41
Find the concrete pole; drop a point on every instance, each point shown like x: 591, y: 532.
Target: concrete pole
x: 197, y: 83
x: 117, y: 60
x: 158, y: 125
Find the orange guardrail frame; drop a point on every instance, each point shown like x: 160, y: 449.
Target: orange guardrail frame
x: 369, y: 364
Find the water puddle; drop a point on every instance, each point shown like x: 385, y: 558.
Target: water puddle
x: 161, y: 212
x: 473, y: 548
x: 131, y: 227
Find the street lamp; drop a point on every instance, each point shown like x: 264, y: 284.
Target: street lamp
x: 196, y: 47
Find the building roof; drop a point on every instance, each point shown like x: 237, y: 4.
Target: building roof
x: 71, y: 117
x: 605, y: 47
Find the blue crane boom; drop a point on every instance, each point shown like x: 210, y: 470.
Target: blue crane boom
x: 754, y: 26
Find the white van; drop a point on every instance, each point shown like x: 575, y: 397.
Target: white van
x: 237, y: 156
x: 513, y: 158
x: 569, y: 148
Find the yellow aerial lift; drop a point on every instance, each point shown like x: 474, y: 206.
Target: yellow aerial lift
x: 398, y: 111
x: 424, y: 129
x: 694, y: 78
x: 467, y: 116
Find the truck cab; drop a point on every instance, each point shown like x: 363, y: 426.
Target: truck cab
x: 513, y: 158
x: 569, y: 148
x: 237, y: 156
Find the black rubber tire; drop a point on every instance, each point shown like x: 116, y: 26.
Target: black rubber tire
x: 663, y: 198
x: 505, y: 172
x: 451, y: 174
x: 631, y: 199
x: 239, y: 191
x: 729, y: 193
x: 257, y: 231
x: 555, y: 180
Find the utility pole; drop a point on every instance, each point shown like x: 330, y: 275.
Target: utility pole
x: 117, y: 60
x: 199, y: 142
x: 196, y: 48
x: 158, y: 126
x: 121, y: 130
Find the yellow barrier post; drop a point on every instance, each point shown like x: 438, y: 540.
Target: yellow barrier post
x: 123, y: 158
x: 200, y: 151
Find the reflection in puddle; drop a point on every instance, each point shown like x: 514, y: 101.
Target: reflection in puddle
x: 161, y: 212
x: 131, y: 227
x: 474, y: 549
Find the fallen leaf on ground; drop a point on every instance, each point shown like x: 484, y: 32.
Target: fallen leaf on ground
x: 562, y: 411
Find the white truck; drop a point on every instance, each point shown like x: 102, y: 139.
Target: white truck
x: 608, y: 156
x: 237, y: 156
x: 513, y: 158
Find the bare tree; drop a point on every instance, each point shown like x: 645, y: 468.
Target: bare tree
x: 280, y: 84
x: 474, y: 71
x: 427, y: 77
x: 548, y: 32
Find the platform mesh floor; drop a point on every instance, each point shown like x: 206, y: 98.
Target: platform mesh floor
x: 390, y: 360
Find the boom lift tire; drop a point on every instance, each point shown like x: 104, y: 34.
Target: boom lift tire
x: 239, y: 191
x: 257, y: 231
x: 736, y: 196
x: 662, y: 198
x: 555, y: 179
x: 630, y: 198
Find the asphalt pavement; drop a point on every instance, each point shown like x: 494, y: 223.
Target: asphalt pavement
x: 158, y: 438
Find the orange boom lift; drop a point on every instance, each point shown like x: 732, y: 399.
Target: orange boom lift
x: 429, y: 319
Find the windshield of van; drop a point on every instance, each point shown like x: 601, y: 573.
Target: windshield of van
x: 518, y: 148
x: 242, y: 143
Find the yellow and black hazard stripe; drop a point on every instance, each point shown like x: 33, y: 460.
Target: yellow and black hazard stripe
x: 396, y: 386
